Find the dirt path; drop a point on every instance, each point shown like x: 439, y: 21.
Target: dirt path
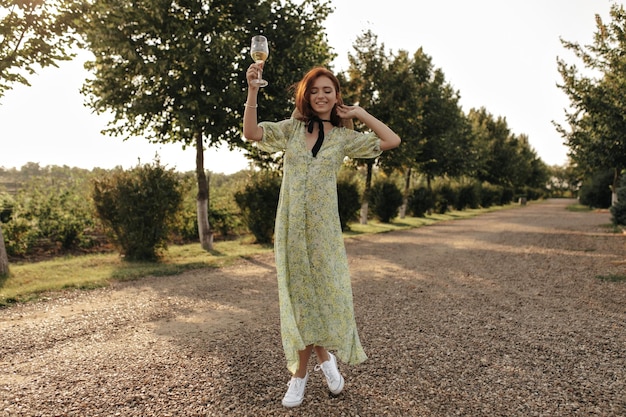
x: 499, y: 315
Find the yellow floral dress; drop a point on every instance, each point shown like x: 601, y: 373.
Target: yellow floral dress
x: 314, y: 288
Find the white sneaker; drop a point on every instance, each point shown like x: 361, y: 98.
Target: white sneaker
x: 295, y: 392
x: 331, y: 372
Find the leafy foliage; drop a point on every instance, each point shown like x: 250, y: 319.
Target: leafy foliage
x: 32, y: 34
x: 385, y: 200
x: 174, y: 71
x: 445, y: 198
x: 258, y: 203
x: 421, y: 201
x: 48, y: 208
x: 349, y: 202
x: 138, y: 207
x: 596, y: 189
x: 618, y: 210
x: 596, y: 120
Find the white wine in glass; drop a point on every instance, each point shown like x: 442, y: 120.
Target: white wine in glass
x: 259, y: 50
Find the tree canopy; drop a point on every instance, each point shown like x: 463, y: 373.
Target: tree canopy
x: 174, y: 70
x: 596, y: 124
x: 33, y: 34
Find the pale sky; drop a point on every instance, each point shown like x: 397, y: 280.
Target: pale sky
x: 499, y: 54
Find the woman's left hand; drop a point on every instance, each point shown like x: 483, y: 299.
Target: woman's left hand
x: 349, y: 112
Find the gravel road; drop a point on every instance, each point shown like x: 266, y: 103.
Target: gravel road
x: 498, y: 315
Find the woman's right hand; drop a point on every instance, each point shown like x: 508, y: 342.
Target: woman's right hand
x: 254, y: 73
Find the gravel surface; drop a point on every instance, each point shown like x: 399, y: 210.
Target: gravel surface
x: 498, y: 315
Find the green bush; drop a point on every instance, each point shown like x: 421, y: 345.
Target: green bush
x: 468, y: 196
x: 138, y: 208
x: 596, y: 190
x: 349, y: 202
x: 490, y: 195
x: 258, y: 202
x: 618, y: 210
x: 62, y: 217
x: 445, y: 198
x: 507, y: 196
x: 6, y: 207
x: 55, y: 212
x: 20, y: 235
x: 420, y: 202
x: 222, y: 219
x: 385, y: 200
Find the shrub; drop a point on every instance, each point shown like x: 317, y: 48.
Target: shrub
x: 138, y: 207
x: 420, y: 202
x: 596, y: 190
x: 385, y: 200
x: 62, y: 217
x: 490, y: 195
x: 349, y: 202
x: 20, y: 235
x: 445, y: 198
x: 258, y: 203
x: 6, y: 207
x: 54, y: 212
x: 507, y: 195
x: 222, y: 219
x: 468, y: 196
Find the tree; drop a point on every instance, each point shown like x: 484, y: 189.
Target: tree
x: 367, y: 67
x: 33, y: 34
x: 595, y: 135
x: 4, y: 259
x: 494, y: 148
x: 174, y: 70
x: 400, y: 105
x: 445, y: 140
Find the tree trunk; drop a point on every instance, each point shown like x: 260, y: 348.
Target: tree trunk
x: 4, y: 259
x: 405, y: 198
x: 429, y: 187
x: 614, y: 187
x: 366, y: 193
x: 202, y: 202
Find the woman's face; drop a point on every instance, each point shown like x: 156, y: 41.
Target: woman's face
x: 323, y: 96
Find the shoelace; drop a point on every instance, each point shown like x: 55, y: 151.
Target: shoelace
x: 294, y: 384
x: 329, y: 377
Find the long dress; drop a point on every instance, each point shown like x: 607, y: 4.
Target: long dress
x: 314, y: 287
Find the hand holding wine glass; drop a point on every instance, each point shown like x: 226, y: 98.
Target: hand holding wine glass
x: 259, y: 50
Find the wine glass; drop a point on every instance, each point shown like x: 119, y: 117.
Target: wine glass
x: 259, y: 51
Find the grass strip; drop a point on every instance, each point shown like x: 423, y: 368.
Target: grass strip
x: 28, y: 281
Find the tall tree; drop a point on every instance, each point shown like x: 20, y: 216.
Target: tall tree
x: 501, y: 157
x: 595, y: 135
x: 368, y: 66
x: 446, y: 139
x: 174, y: 70
x: 400, y: 105
x: 33, y: 34
x: 4, y: 259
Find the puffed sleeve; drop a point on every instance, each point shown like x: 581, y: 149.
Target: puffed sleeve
x: 361, y: 145
x: 275, y: 135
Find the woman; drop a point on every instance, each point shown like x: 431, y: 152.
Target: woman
x: 315, y: 292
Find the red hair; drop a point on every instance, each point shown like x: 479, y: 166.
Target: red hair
x: 303, y: 110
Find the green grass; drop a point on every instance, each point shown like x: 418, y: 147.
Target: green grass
x: 612, y: 277
x: 578, y: 207
x: 28, y: 281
